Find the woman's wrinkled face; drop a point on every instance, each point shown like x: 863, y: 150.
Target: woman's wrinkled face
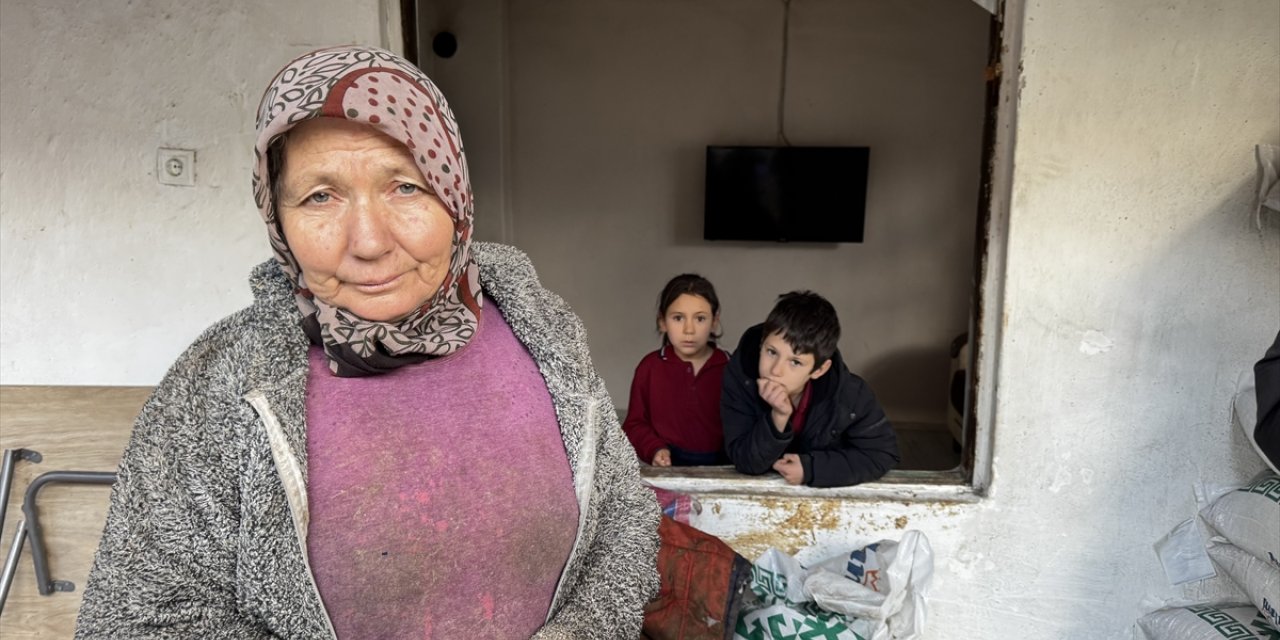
x: 358, y: 217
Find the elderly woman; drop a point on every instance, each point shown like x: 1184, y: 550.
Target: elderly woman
x: 402, y: 437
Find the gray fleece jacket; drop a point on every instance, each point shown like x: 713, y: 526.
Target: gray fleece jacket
x: 206, y: 533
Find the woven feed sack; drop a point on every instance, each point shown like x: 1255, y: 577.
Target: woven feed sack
x: 1207, y: 622
x: 1249, y: 517
x: 1259, y: 579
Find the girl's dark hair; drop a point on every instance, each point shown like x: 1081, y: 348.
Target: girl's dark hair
x: 692, y: 284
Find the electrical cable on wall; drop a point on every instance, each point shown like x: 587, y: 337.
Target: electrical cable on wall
x: 782, y: 88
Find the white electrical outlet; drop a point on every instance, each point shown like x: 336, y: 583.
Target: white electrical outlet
x: 176, y: 167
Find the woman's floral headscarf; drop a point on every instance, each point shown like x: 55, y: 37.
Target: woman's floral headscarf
x: 382, y: 90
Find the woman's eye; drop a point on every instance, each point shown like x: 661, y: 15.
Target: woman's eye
x: 407, y: 189
x: 320, y: 197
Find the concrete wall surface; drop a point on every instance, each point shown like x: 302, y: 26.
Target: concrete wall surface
x: 107, y: 274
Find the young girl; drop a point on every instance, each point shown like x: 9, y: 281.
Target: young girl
x: 674, y: 416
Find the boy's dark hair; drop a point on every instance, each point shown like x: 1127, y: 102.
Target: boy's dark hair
x: 692, y: 284
x: 807, y: 322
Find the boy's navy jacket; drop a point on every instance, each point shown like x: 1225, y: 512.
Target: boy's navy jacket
x: 846, y: 438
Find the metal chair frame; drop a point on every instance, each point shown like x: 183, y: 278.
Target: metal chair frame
x: 30, y: 527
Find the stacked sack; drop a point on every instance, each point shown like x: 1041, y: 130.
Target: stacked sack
x: 1247, y: 549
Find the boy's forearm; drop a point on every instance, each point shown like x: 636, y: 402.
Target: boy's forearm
x: 755, y: 447
x: 844, y: 468
x: 862, y: 458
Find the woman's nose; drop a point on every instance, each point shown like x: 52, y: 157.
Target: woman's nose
x: 370, y: 232
x: 689, y: 328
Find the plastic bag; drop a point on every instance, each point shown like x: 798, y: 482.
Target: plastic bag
x: 677, y: 506
x: 876, y: 592
x: 1183, y: 556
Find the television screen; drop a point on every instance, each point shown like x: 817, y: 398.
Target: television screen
x: 786, y: 194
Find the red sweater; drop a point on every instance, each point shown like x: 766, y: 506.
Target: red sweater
x: 672, y: 407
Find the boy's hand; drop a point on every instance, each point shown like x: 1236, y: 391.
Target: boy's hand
x: 662, y: 458
x: 790, y: 467
x: 776, y: 395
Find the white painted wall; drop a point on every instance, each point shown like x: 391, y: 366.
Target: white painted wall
x: 105, y: 274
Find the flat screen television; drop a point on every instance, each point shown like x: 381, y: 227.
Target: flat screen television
x: 786, y: 194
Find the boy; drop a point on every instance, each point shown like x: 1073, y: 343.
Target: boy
x: 790, y: 404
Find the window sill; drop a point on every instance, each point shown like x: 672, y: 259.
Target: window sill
x: 895, y: 486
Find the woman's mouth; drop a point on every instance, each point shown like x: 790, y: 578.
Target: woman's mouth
x: 377, y: 285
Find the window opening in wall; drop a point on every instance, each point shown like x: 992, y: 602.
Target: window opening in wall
x: 945, y: 455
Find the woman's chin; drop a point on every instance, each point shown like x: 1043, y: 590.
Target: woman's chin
x: 384, y: 305
x: 376, y: 310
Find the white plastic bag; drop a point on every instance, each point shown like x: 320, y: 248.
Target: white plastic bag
x: 777, y: 606
x: 1183, y: 556
x: 876, y: 592
x: 886, y: 582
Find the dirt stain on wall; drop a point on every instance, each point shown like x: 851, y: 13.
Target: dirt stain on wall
x: 790, y: 526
